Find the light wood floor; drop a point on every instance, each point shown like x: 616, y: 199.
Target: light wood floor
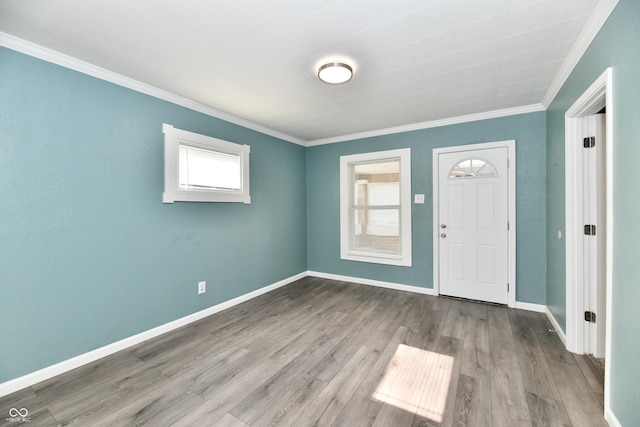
x: 321, y: 352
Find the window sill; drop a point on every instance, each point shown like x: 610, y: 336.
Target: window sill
x: 378, y: 258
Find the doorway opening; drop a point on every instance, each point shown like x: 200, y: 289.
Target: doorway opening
x: 589, y: 222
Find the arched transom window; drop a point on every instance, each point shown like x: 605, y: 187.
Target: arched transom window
x: 473, y: 168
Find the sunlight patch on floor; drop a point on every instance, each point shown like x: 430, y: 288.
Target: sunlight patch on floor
x: 417, y: 381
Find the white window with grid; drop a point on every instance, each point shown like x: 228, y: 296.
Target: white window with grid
x: 375, y: 207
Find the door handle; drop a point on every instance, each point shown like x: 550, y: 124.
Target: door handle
x: 443, y: 235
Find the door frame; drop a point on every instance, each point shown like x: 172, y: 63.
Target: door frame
x: 597, y: 96
x: 511, y: 214
x: 591, y: 101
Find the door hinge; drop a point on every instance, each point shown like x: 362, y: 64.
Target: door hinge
x: 590, y: 230
x: 507, y: 287
x: 589, y: 316
x: 589, y: 142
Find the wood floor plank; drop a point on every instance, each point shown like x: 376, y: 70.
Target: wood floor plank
x: 324, y: 410
x: 338, y: 356
x: 99, y: 371
x: 288, y: 407
x: 441, y: 304
x: 390, y: 415
x: 370, y: 383
x: 392, y: 316
x: 500, y: 335
x: 251, y: 408
x: 596, y: 382
x: 264, y: 394
x: 218, y: 379
x: 552, y: 345
x: 318, y: 332
x: 105, y: 383
x: 425, y: 422
x: 229, y: 421
x: 159, y: 405
x: 534, y: 368
x: 37, y: 419
x: 430, y: 331
x: 25, y: 398
x: 508, y: 399
x: 417, y: 381
x: 221, y: 398
x: 307, y: 321
x: 475, y: 353
x: 452, y: 348
x: 359, y: 412
x: 419, y: 309
x: 473, y: 402
x: 250, y: 329
x: 100, y: 398
x: 297, y: 321
x: 547, y: 412
x: 456, y: 319
x: 213, y: 371
x: 479, y: 310
x: 584, y: 408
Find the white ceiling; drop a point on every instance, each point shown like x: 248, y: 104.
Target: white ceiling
x: 415, y: 61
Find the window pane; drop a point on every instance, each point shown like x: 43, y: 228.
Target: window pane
x: 376, y: 207
x: 376, y: 230
x: 206, y: 169
x: 384, y: 193
x: 473, y: 168
x: 377, y: 184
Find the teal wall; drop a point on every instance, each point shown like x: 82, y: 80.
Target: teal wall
x: 618, y: 46
x: 89, y: 254
x: 323, y: 193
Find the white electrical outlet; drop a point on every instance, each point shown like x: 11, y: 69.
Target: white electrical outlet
x: 418, y: 199
x: 202, y: 287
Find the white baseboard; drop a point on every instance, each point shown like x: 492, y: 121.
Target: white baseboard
x: 538, y: 308
x: 611, y: 418
x: 378, y: 283
x: 28, y: 380
x: 556, y: 326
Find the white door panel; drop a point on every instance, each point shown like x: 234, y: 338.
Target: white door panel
x: 594, y: 246
x: 473, y: 215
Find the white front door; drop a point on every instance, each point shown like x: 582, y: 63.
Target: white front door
x: 473, y: 213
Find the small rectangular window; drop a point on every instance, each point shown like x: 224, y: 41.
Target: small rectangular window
x: 200, y: 168
x: 375, y: 204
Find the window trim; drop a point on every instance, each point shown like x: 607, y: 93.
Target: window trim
x: 346, y: 208
x: 173, y: 139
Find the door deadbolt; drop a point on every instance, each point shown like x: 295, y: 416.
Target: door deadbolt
x: 443, y: 225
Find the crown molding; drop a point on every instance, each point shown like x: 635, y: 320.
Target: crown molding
x: 603, y: 10
x: 49, y: 55
x: 594, y: 24
x: 533, y: 108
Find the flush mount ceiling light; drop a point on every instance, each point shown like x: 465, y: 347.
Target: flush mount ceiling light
x: 335, y: 73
